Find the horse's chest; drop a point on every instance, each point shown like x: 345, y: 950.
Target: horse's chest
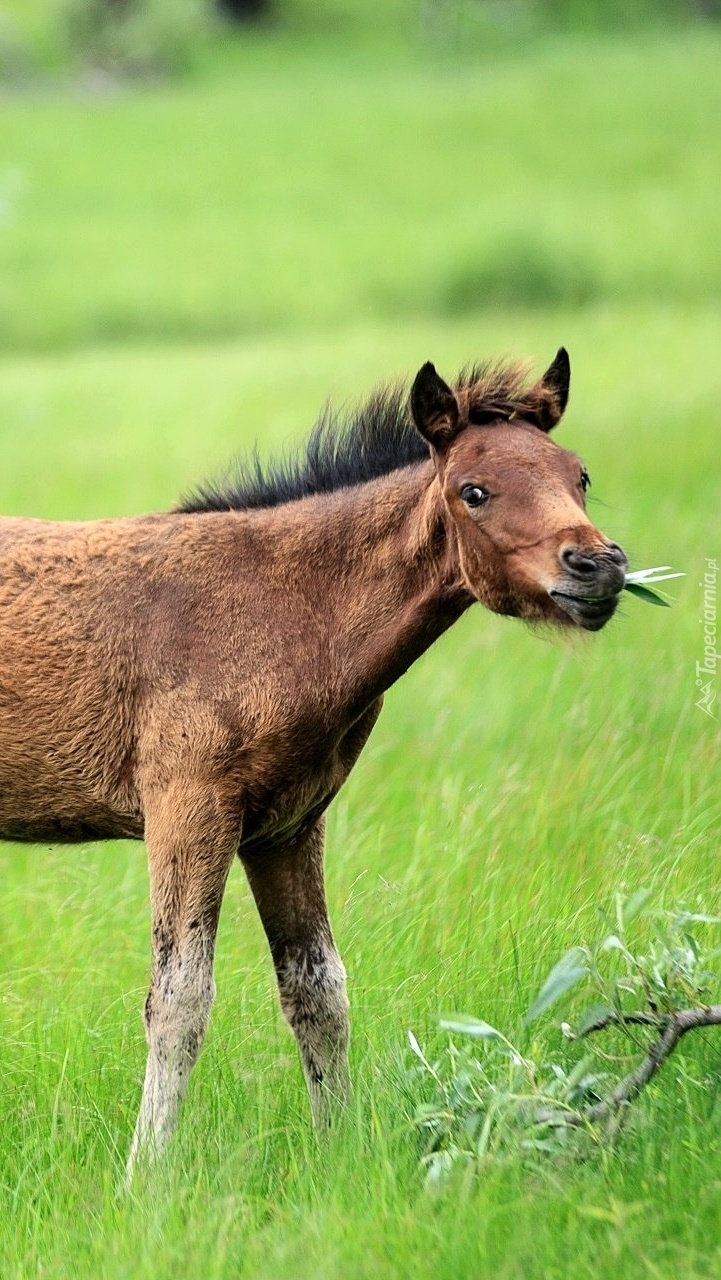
x: 301, y: 784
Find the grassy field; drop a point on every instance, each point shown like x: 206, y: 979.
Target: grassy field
x: 184, y: 270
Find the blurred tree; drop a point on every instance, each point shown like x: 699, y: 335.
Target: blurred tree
x: 135, y: 37
x: 236, y: 10
x: 242, y: 10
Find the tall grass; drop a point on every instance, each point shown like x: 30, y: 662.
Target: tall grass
x: 188, y: 270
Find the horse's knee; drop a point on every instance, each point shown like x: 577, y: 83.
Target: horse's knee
x: 176, y: 1016
x: 177, y: 1012
x: 313, y: 999
x: 312, y: 986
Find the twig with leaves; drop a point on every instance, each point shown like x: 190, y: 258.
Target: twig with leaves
x: 671, y: 1028
x: 503, y: 1100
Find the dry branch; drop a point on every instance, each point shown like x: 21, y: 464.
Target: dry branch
x: 672, y: 1027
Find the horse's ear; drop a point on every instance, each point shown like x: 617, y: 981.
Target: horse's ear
x: 553, y: 391
x: 434, y: 407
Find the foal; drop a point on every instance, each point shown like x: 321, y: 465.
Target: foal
x: 205, y: 680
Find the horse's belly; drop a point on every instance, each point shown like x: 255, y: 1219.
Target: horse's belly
x: 66, y: 771
x: 43, y: 800
x: 65, y: 829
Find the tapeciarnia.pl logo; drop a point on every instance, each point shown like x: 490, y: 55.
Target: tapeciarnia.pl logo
x: 706, y: 670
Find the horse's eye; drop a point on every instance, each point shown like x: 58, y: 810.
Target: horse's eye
x: 473, y: 495
x: 585, y: 480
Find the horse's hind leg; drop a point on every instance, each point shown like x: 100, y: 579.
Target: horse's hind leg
x: 192, y: 839
x: 289, y: 892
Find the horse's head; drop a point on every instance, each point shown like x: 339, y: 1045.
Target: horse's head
x: 516, y: 500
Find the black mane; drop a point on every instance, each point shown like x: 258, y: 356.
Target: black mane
x: 341, y: 452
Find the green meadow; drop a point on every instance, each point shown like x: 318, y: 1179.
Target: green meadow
x: 190, y: 267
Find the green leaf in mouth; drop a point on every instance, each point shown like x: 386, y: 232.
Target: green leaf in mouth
x: 638, y: 583
x: 645, y: 593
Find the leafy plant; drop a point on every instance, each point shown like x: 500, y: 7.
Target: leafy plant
x: 639, y: 583
x: 485, y: 1097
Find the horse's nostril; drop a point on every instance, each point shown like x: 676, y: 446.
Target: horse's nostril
x: 577, y: 562
x: 617, y: 554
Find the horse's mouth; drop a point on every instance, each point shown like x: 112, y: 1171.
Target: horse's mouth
x: 589, y: 612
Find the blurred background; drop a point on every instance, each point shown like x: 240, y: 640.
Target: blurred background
x: 216, y: 213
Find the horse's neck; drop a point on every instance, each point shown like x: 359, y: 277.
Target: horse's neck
x: 385, y: 562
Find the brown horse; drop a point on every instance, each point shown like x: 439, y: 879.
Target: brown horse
x: 205, y: 680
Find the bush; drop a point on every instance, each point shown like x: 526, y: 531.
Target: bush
x: 136, y: 37
x: 522, y: 270
x: 488, y: 1101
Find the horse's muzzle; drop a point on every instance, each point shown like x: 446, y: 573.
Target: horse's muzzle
x: 591, y: 584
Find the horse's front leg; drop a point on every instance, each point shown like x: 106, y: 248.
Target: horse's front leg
x: 289, y: 891
x: 192, y: 836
